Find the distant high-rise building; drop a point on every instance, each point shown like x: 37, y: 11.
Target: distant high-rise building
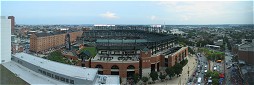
x: 12, y: 23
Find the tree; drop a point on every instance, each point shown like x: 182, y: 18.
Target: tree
x: 191, y: 51
x: 154, y: 75
x: 144, y: 79
x: 136, y: 78
x: 178, y: 68
x: 184, y: 62
x: 162, y: 76
x: 215, y: 81
x: 170, y: 72
x: 208, y: 73
x: 215, y: 75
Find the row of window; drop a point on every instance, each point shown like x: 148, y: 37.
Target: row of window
x: 59, y: 78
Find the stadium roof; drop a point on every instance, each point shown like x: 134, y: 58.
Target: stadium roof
x: 64, y: 69
x: 121, y: 41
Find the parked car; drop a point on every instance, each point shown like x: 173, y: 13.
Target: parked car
x: 214, y: 68
x: 228, y: 67
x: 205, y: 71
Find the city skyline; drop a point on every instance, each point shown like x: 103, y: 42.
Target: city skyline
x: 129, y: 12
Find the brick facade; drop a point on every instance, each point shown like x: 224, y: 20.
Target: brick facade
x: 39, y: 44
x: 147, y: 61
x: 247, y: 56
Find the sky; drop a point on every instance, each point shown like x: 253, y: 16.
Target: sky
x: 129, y: 12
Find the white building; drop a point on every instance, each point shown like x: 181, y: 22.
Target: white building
x: 177, y: 31
x: 5, y: 34
x: 59, y: 73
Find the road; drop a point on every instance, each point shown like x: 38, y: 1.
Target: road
x: 228, y: 70
x: 202, y: 62
x: 221, y: 68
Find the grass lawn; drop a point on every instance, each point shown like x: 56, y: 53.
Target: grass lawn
x: 9, y: 78
x: 58, y: 57
x: 92, y: 50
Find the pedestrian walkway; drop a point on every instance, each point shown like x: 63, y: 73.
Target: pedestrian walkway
x: 183, y: 79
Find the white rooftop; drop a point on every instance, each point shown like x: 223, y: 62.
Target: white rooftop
x: 30, y: 76
x: 68, y: 70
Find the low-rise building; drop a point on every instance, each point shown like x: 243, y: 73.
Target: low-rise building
x: 64, y: 73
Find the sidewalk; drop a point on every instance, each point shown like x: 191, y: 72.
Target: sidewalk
x: 183, y: 79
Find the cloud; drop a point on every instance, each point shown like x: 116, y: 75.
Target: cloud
x: 109, y: 15
x: 200, y: 9
x: 185, y: 18
x: 153, y: 18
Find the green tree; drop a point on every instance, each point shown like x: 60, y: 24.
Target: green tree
x: 178, y: 68
x: 208, y: 73
x: 215, y: 81
x: 191, y: 51
x: 184, y: 62
x: 136, y: 78
x: 215, y: 75
x: 170, y: 72
x: 154, y: 75
x: 144, y: 79
x: 162, y: 76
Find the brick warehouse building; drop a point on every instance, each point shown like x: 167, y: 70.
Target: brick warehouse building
x: 41, y: 42
x: 126, y: 52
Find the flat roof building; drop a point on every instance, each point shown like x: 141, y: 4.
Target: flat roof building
x: 68, y: 74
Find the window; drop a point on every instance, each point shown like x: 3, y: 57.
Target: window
x: 52, y: 75
x: 62, y: 79
x: 44, y: 72
x: 56, y: 77
x: 67, y: 80
x: 72, y: 82
x: 49, y: 74
x: 40, y: 70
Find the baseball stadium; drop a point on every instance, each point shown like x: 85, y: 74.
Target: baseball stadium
x: 132, y: 50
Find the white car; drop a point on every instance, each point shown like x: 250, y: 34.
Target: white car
x: 205, y: 66
x: 205, y: 71
x: 214, y: 68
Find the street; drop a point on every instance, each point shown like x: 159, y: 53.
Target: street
x: 200, y: 70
